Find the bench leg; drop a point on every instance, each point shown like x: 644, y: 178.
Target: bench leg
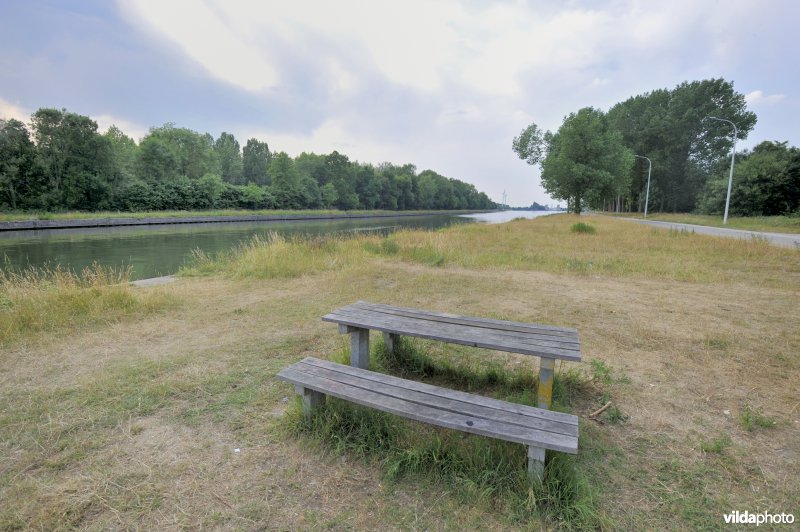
x: 535, y: 464
x: 544, y: 391
x: 390, y: 339
x: 311, y: 399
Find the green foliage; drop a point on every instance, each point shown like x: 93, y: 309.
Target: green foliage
x: 766, y: 182
x: 584, y: 228
x: 69, y: 165
x: 18, y: 171
x: 586, y: 160
x: 226, y: 148
x: 754, y: 417
x: 670, y: 127
x: 717, y: 445
x: 529, y: 145
x: 255, y: 162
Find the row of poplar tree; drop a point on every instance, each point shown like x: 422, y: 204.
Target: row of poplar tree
x: 62, y: 162
x: 599, y: 159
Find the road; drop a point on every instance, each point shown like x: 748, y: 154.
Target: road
x: 779, y: 239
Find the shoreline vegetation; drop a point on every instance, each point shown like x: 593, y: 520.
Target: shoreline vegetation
x: 158, y: 408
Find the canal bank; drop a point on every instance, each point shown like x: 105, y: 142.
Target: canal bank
x: 80, y: 223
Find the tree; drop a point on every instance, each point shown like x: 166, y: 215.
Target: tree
x: 255, y: 162
x: 72, y: 153
x: 192, y: 154
x: 157, y: 160
x: 767, y: 182
x: 669, y: 127
x: 123, y: 153
x: 286, y: 188
x: 529, y: 145
x: 585, y: 159
x: 17, y: 157
x: 230, y: 158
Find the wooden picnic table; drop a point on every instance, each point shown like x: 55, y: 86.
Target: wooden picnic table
x: 547, y: 342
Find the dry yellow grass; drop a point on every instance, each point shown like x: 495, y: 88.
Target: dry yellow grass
x: 134, y: 423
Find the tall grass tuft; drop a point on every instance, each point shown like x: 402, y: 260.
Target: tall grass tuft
x: 272, y: 256
x: 584, y: 228
x: 55, y: 299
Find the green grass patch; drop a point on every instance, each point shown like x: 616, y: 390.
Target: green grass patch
x: 753, y: 418
x: 717, y: 445
x: 584, y: 228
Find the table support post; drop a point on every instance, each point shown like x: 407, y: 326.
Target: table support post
x: 359, y: 345
x: 390, y: 340
x: 544, y: 391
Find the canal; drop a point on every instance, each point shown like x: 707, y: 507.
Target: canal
x: 156, y: 250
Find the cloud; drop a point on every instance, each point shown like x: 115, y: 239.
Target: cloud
x: 10, y: 110
x: 131, y: 129
x: 758, y: 97
x: 226, y: 50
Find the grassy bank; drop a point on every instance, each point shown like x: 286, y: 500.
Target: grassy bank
x: 772, y: 224
x: 23, y: 216
x: 165, y: 413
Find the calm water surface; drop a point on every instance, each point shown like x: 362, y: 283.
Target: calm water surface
x: 157, y: 250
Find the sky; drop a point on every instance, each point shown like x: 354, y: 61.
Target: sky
x: 444, y: 85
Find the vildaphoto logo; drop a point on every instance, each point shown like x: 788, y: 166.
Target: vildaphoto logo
x: 762, y: 518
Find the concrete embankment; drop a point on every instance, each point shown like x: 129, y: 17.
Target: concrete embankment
x: 26, y: 225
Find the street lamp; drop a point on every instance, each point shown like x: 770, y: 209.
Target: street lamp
x: 647, y: 196
x: 733, y: 158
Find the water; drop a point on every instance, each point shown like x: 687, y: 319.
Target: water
x: 506, y: 216
x: 158, y: 250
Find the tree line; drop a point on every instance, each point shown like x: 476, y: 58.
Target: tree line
x: 599, y: 158
x: 62, y: 162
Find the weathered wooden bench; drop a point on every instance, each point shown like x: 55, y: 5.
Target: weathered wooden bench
x: 548, y: 343
x: 537, y: 428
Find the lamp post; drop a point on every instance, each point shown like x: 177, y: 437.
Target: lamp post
x: 733, y: 158
x: 649, y: 169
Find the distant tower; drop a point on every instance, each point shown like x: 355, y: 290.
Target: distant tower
x: 504, y: 199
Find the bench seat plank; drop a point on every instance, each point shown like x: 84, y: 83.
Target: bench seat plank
x: 510, y: 341
x: 446, y: 399
x: 438, y: 406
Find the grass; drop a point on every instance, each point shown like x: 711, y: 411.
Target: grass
x: 123, y: 407
x: 753, y: 418
x: 581, y: 227
x: 482, y: 470
x: 34, y: 300
x: 773, y: 224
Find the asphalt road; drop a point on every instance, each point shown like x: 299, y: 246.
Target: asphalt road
x: 779, y: 239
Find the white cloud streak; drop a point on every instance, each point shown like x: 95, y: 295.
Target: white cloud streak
x: 758, y: 97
